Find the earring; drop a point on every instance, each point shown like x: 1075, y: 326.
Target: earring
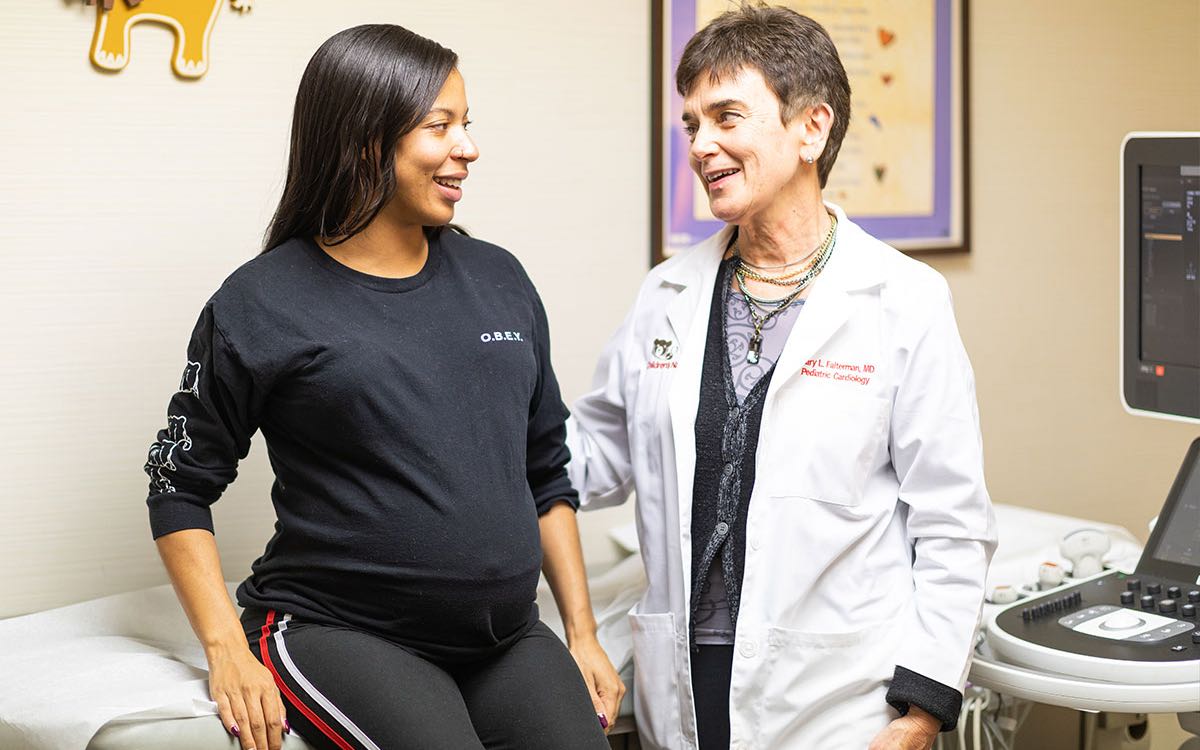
x: 808, y: 160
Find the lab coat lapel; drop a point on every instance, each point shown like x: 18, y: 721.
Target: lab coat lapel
x: 693, y: 275
x: 688, y: 315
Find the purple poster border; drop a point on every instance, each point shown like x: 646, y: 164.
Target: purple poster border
x: 682, y: 229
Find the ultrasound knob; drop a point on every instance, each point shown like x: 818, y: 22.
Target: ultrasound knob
x: 1133, y: 584
x: 1174, y: 592
x: 1196, y: 636
x: 1153, y: 588
x: 1127, y: 598
x: 1003, y: 594
x: 1166, y: 606
x: 1188, y: 610
x: 1147, y: 601
x: 1050, y: 575
x: 1122, y: 621
x: 1194, y: 596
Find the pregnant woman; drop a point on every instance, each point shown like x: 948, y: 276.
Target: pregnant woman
x: 400, y: 374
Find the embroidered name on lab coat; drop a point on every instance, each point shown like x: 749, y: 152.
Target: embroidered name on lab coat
x: 831, y: 369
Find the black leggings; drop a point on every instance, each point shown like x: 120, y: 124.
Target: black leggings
x: 345, y: 689
x: 712, y: 667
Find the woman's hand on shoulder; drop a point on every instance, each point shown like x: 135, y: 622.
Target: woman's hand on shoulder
x: 916, y: 730
x: 247, y: 699
x: 602, y: 679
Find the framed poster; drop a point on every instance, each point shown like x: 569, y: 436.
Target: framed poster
x: 901, y: 173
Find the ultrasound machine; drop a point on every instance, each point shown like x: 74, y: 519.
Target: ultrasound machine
x: 1128, y: 641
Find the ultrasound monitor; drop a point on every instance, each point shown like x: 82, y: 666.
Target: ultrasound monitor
x: 1174, y: 547
x: 1160, y: 275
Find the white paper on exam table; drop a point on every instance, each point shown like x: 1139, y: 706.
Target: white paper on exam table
x: 69, y: 671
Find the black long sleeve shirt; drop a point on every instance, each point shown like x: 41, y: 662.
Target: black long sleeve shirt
x: 415, y: 429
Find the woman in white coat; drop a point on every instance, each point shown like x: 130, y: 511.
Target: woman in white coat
x: 791, y: 402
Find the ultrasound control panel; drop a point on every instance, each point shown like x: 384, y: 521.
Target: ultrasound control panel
x: 1111, y: 622
x: 1140, y: 628
x: 1114, y: 616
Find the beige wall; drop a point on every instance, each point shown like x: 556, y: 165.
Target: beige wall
x: 1054, y: 88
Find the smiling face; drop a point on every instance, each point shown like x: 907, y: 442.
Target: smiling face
x: 747, y: 159
x: 432, y: 160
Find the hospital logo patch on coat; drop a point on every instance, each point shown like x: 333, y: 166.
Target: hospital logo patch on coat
x: 662, y: 354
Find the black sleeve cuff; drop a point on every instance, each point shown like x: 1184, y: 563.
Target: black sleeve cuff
x: 910, y: 688
x: 176, y: 511
x: 552, y: 487
x: 571, y: 501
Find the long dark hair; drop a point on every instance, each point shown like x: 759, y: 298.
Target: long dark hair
x: 362, y: 90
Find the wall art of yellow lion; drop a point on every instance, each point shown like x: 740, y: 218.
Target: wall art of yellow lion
x: 191, y: 20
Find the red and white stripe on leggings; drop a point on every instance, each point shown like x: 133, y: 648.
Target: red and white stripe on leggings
x: 276, y: 658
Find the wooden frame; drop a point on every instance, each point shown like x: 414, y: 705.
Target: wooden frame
x: 902, y: 173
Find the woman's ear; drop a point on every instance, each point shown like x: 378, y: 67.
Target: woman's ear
x: 817, y: 121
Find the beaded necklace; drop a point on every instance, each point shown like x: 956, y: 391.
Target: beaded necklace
x: 790, y: 278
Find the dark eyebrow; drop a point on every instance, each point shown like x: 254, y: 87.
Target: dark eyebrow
x: 713, y: 106
x: 444, y: 111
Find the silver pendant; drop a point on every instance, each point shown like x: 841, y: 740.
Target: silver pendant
x: 755, y: 346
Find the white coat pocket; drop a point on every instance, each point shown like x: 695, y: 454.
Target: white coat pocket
x: 822, y: 445
x: 814, y: 682
x: 657, y: 652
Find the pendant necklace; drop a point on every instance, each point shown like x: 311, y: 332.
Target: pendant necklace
x: 741, y: 272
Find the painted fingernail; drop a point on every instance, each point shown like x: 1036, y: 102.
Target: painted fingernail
x: 603, y: 720
x: 233, y: 729
x: 287, y: 726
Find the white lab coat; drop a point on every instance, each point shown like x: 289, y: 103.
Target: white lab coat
x: 869, y: 529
